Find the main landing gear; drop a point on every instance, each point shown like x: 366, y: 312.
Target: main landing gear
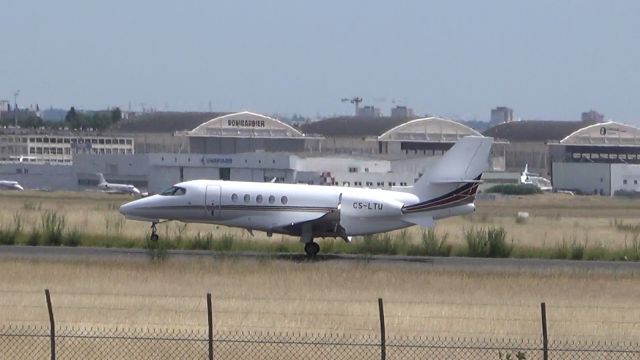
x: 154, y: 236
x: 312, y: 249
x: 306, y: 237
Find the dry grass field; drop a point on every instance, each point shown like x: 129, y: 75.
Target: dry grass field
x: 324, y: 297
x: 331, y: 297
x: 554, y: 219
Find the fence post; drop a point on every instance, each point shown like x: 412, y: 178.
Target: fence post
x: 545, y: 339
x: 210, y: 315
x: 52, y: 324
x: 383, y: 348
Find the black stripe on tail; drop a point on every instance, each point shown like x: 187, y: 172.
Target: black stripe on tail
x: 463, y: 195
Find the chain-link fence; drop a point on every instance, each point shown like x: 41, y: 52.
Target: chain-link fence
x: 54, y: 342
x: 29, y: 342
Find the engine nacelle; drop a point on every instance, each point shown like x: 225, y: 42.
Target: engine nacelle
x: 364, y: 207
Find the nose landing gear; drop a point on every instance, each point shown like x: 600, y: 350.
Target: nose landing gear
x: 154, y: 236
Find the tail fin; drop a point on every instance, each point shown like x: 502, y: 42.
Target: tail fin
x: 461, y: 166
x: 101, y: 178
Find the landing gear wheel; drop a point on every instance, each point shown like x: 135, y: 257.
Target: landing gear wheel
x: 311, y: 249
x: 154, y: 237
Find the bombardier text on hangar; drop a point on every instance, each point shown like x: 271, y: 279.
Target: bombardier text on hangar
x: 316, y: 211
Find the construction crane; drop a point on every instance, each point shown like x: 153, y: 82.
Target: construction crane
x: 356, y: 100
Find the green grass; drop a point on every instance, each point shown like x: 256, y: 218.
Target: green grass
x: 488, y: 241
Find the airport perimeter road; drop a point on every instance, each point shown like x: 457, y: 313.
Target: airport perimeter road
x: 47, y: 253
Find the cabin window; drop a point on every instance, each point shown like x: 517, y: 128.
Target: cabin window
x: 272, y: 199
x: 247, y: 198
x: 624, y: 182
x: 259, y: 199
x: 234, y: 197
x: 284, y: 200
x: 174, y: 191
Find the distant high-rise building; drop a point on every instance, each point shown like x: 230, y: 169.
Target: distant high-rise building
x: 402, y: 112
x: 592, y: 116
x: 369, y: 111
x: 501, y: 114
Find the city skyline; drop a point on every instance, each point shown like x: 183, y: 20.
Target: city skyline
x: 544, y: 59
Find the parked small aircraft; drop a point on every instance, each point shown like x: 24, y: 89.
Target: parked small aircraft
x: 10, y: 185
x: 313, y: 211
x: 116, y: 188
x: 527, y: 177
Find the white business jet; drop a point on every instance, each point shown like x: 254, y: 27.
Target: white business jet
x: 530, y: 178
x: 10, y: 185
x: 312, y: 211
x: 116, y: 188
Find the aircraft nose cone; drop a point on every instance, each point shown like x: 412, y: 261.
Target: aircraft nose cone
x: 125, y: 209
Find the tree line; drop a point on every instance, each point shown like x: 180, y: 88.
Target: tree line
x: 77, y: 120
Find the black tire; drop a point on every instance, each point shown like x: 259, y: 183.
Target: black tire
x: 312, y: 249
x: 154, y: 237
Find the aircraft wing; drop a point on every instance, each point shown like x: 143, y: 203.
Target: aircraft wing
x: 320, y: 221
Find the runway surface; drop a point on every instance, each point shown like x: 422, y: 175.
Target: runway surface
x: 47, y: 253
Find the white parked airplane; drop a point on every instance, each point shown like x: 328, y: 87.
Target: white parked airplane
x: 116, y: 188
x: 312, y: 211
x: 10, y: 185
x: 529, y: 178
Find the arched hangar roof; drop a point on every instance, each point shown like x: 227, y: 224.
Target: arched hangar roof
x: 431, y: 129
x: 607, y: 133
x: 245, y: 124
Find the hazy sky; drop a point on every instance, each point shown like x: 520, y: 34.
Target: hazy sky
x: 547, y: 59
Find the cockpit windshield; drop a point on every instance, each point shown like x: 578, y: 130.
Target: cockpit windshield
x: 174, y: 191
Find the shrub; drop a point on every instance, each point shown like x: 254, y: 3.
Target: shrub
x: 73, y: 238
x: 157, y: 250
x: 33, y: 238
x: 52, y: 228
x: 9, y: 235
x: 514, y: 189
x: 432, y: 245
x: 571, y: 250
x: 561, y: 251
x: 476, y: 239
x: 200, y: 242
x: 376, y: 244
x: 576, y: 251
x: 489, y: 242
x: 224, y: 243
x: 498, y: 247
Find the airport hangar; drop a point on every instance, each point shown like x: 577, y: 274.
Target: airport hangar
x: 244, y: 146
x: 581, y: 156
x: 160, y: 149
